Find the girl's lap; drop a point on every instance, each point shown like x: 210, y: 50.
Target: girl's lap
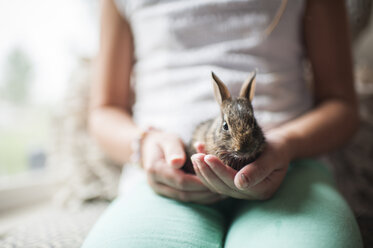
x: 144, y: 219
x: 307, y: 211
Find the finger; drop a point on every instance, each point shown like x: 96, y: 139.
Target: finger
x: 173, y: 149
x: 200, y: 147
x: 233, y: 193
x: 224, y: 172
x: 253, y: 173
x: 153, y: 154
x: 200, y: 176
x: 178, y: 179
x: 185, y: 196
x: 217, y: 197
x: 211, y: 177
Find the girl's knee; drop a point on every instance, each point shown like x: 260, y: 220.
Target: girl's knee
x: 294, y: 232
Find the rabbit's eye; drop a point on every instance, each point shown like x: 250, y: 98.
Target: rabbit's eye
x: 225, y: 126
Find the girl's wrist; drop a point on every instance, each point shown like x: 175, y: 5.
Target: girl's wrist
x: 137, y: 144
x: 286, y: 141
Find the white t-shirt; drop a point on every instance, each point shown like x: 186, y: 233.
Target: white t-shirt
x: 179, y: 42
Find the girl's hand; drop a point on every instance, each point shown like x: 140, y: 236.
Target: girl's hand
x: 256, y: 181
x: 163, y: 155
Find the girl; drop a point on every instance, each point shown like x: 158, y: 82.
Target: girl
x: 169, y: 48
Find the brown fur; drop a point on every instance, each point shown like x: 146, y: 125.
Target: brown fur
x: 243, y: 142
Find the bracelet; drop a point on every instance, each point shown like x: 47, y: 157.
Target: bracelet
x: 136, y: 145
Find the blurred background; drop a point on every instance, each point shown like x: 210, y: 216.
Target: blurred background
x: 54, y: 180
x: 41, y: 42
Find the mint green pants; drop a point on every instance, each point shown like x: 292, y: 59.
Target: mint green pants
x: 306, y: 212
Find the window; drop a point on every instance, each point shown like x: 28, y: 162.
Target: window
x: 41, y: 44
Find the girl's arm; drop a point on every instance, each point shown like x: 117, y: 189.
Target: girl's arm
x: 331, y: 123
x: 110, y: 120
x: 112, y: 125
x: 335, y: 117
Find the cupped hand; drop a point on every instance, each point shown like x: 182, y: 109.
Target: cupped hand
x: 256, y: 181
x: 162, y: 157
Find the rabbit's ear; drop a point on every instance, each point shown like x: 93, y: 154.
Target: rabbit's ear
x: 220, y: 90
x: 248, y: 88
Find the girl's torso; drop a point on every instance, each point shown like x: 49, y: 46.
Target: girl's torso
x: 179, y: 42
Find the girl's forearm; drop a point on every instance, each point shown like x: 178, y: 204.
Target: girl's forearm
x: 114, y: 130
x: 110, y: 121
x: 323, y: 129
x: 335, y: 117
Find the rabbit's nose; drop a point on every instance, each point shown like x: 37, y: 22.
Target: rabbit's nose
x: 242, y: 149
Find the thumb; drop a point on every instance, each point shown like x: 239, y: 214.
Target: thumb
x: 252, y: 174
x: 173, y: 150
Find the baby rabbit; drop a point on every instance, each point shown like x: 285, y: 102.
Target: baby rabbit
x: 234, y: 136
